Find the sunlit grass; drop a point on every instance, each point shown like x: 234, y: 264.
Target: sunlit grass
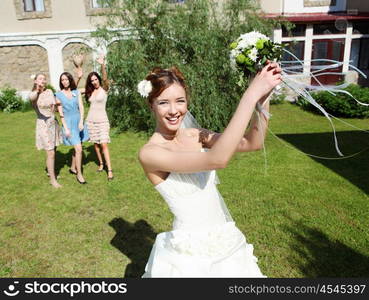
x: 305, y: 217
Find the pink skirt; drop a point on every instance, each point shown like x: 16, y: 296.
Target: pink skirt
x: 99, y: 132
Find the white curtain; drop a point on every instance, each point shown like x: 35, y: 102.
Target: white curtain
x: 355, y: 52
x: 34, y: 5
x: 39, y: 5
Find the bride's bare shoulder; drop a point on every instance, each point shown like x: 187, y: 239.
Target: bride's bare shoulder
x: 149, y: 146
x: 150, y: 149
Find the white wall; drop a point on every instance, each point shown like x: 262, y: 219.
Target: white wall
x: 297, y: 6
x: 67, y: 15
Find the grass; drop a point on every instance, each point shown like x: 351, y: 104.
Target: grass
x: 306, y: 217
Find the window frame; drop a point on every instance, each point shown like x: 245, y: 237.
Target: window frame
x: 94, y: 11
x: 22, y: 14
x: 95, y: 4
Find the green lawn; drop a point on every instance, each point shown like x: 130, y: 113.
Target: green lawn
x: 306, y: 217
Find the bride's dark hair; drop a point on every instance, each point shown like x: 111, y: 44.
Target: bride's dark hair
x: 161, y: 79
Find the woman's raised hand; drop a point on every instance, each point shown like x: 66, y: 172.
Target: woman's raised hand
x: 266, y: 80
x: 79, y: 72
x: 101, y: 59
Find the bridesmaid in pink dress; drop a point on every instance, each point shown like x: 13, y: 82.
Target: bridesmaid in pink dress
x: 97, y: 119
x: 47, y: 128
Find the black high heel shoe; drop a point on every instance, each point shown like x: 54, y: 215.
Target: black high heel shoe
x: 80, y: 182
x: 72, y: 172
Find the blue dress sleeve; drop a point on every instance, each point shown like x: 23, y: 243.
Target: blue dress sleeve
x: 59, y: 96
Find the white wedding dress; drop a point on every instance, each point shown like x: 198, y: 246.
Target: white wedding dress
x: 204, y: 241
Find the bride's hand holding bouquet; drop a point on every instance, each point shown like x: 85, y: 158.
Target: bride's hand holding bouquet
x: 265, y: 80
x: 251, y: 52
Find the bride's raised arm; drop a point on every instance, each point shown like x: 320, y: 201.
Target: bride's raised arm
x: 154, y: 157
x: 252, y: 140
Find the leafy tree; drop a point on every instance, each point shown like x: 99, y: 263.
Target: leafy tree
x: 195, y: 36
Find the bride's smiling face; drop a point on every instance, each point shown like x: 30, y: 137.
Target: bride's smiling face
x: 170, y: 108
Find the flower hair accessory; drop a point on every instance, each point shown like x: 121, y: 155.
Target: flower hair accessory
x: 144, y: 88
x: 33, y: 76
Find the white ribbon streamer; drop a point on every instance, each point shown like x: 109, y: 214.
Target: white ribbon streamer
x: 302, y: 89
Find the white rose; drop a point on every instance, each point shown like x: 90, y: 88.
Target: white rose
x: 253, y: 54
x: 144, y: 88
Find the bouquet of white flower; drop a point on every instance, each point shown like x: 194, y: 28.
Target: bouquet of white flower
x: 252, y: 50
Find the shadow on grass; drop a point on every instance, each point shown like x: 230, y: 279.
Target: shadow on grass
x: 320, y: 256
x: 91, y: 155
x: 354, y: 169
x: 135, y: 241
x: 65, y: 159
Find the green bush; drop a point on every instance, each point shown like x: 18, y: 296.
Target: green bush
x: 10, y: 101
x: 341, y: 105
x: 50, y: 87
x: 278, y: 99
x: 27, y: 106
x: 194, y: 36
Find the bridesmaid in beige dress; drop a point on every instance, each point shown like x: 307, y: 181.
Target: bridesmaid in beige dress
x: 47, y: 128
x: 97, y: 119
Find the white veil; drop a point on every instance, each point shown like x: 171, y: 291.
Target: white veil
x: 189, y: 121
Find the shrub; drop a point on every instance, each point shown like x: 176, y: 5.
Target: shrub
x: 194, y: 36
x: 9, y: 100
x: 278, y: 99
x: 27, y: 106
x: 50, y: 87
x: 341, y: 105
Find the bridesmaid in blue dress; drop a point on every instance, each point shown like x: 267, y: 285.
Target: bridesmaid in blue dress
x: 71, y: 111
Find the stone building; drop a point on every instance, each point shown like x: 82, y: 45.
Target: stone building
x: 331, y: 29
x: 43, y: 35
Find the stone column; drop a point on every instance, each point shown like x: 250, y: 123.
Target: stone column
x: 348, y: 41
x: 277, y: 35
x: 308, y: 48
x: 55, y: 59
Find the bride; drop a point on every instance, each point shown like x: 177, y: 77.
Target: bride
x: 181, y: 161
